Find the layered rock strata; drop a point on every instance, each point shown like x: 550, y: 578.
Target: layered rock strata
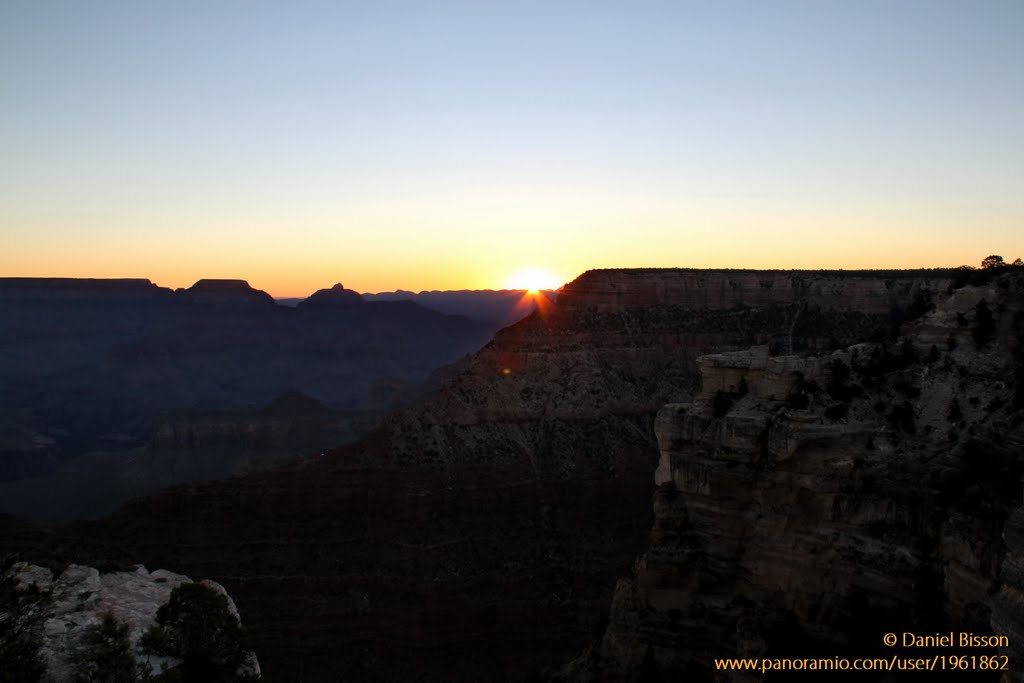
x: 810, y: 505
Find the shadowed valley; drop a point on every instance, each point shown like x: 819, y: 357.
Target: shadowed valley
x: 114, y: 388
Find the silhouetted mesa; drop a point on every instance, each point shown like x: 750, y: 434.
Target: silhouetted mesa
x: 28, y: 289
x: 225, y: 293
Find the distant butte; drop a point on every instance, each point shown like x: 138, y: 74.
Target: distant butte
x: 335, y: 297
x: 219, y: 292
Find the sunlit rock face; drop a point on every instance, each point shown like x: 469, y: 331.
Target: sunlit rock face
x: 480, y: 536
x: 812, y: 505
x: 78, y: 598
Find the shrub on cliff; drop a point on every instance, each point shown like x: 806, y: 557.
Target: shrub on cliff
x: 721, y: 404
x: 197, y: 627
x: 838, y: 386
x: 104, y: 654
x: 20, y: 660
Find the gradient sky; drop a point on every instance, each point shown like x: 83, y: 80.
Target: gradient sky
x: 445, y: 145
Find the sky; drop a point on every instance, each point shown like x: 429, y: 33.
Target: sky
x: 450, y: 145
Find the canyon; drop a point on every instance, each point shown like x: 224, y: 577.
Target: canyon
x: 484, y: 534
x: 115, y: 388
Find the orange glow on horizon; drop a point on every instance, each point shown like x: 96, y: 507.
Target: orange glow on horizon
x: 533, y: 280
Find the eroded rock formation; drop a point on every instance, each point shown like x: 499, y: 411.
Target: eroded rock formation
x: 810, y: 505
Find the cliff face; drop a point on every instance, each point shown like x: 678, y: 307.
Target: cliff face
x: 479, y: 537
x: 866, y: 292
x: 808, y: 506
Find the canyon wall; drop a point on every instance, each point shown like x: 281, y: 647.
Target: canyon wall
x: 809, y: 506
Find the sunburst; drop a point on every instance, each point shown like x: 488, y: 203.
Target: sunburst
x: 533, y: 280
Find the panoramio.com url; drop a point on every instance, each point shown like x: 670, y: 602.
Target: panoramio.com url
x: 936, y: 663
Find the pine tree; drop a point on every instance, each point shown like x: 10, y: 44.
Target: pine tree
x: 104, y: 654
x: 20, y: 612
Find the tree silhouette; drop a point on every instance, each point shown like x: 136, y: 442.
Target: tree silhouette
x: 104, y: 654
x: 197, y: 627
x: 993, y: 261
x: 20, y: 660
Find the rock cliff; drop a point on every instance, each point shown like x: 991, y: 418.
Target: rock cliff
x: 479, y: 537
x: 78, y: 599
x: 809, y: 505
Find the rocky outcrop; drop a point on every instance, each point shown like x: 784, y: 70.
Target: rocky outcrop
x: 79, y: 598
x: 809, y: 505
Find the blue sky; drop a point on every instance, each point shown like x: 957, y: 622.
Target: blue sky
x: 434, y: 145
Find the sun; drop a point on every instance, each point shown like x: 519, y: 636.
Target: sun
x: 533, y: 280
